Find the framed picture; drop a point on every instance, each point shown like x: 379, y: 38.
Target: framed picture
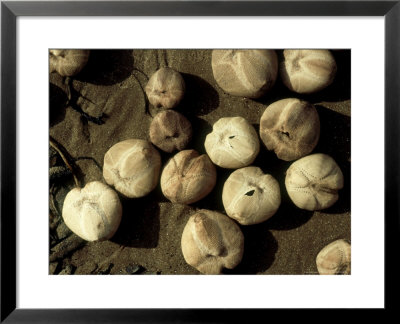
x: 146, y: 274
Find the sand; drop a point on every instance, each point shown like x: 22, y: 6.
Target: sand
x: 148, y: 239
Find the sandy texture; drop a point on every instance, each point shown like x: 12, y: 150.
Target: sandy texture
x: 148, y: 240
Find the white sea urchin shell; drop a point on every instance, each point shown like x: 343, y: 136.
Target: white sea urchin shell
x: 335, y: 258
x: 313, y: 182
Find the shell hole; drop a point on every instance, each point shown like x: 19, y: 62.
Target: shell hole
x: 250, y: 193
x: 175, y: 135
x: 233, y: 136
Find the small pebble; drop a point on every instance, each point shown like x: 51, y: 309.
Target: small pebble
x: 134, y: 269
x: 53, y: 267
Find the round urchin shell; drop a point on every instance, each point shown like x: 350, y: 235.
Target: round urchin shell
x: 307, y: 71
x: 132, y: 167
x: 94, y: 212
x: 245, y: 73
x: 233, y: 143
x: 165, y: 88
x: 68, y: 62
x: 170, y: 131
x: 211, y: 242
x: 250, y: 196
x: 188, y: 177
x: 313, y: 182
x: 335, y: 258
x: 290, y: 127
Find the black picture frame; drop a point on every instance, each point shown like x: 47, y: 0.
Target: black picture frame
x: 10, y: 10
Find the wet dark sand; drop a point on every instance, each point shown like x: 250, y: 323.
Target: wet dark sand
x: 148, y: 239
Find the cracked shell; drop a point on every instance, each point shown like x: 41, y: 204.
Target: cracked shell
x: 170, y: 131
x: 233, y: 143
x: 250, y: 196
x: 291, y: 128
x: 211, y: 242
x: 313, y: 182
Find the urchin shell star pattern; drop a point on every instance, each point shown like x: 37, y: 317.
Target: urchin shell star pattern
x: 94, y: 212
x: 307, y: 71
x: 313, y: 182
x: 165, y: 88
x: 290, y: 127
x: 188, y: 177
x: 233, y: 143
x: 211, y: 242
x: 68, y: 62
x: 250, y: 196
x: 132, y: 167
x: 170, y: 131
x: 335, y: 258
x: 245, y: 73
